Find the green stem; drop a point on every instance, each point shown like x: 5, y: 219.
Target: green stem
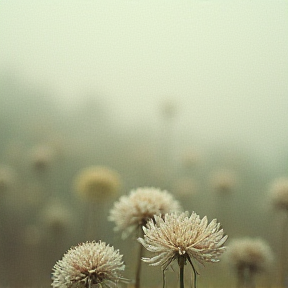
x: 194, y: 271
x: 283, y: 251
x: 181, y: 262
x: 139, y: 262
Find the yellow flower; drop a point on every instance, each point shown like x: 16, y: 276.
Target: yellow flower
x: 97, y: 183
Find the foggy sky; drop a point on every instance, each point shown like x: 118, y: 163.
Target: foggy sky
x: 225, y: 63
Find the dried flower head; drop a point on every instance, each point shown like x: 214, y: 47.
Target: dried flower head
x: 254, y: 255
x: 87, y: 264
x: 182, y: 237
x: 279, y: 193
x: 181, y: 234
x: 97, y: 183
x: 141, y: 205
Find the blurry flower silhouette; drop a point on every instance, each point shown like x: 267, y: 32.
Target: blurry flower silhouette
x: 56, y: 217
x: 279, y: 193
x: 279, y: 200
x: 248, y: 257
x: 88, y: 264
x: 141, y: 205
x: 182, y: 237
x: 185, y: 186
x: 168, y: 108
x: 190, y: 158
x: 41, y: 157
x: 223, y: 180
x: 97, y: 183
x: 7, y: 178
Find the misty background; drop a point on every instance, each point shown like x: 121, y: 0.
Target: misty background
x: 142, y: 87
x: 224, y: 62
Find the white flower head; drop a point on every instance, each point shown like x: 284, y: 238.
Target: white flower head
x: 88, y: 264
x: 140, y: 206
x: 181, y: 235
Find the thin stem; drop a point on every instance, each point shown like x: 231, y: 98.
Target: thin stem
x: 194, y: 270
x: 181, y: 262
x: 283, y: 251
x: 139, y: 262
x: 90, y: 221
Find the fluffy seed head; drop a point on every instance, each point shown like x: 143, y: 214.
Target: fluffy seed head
x: 141, y: 205
x: 279, y: 193
x: 97, y: 183
x: 180, y: 234
x: 87, y: 264
x: 248, y: 253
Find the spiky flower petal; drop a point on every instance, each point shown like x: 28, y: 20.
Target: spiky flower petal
x: 87, y: 264
x: 180, y: 235
x: 141, y: 205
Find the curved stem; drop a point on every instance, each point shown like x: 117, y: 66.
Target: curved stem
x: 194, y: 270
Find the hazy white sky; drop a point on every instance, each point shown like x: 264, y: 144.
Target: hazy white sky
x: 224, y: 62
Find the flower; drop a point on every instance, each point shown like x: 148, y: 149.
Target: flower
x: 185, y: 186
x: 56, y: 217
x: 279, y: 193
x: 87, y: 264
x: 255, y: 255
x: 97, y: 183
x: 141, y: 205
x: 223, y: 180
x: 7, y: 178
x: 41, y: 157
x: 180, y: 235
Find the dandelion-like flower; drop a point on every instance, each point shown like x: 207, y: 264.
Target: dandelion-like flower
x: 87, y: 264
x: 97, y: 183
x: 141, y: 205
x: 279, y: 193
x: 183, y: 237
x: 249, y: 257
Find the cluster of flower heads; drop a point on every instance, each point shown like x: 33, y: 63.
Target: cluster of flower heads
x: 140, y: 206
x: 182, y: 235
x: 167, y: 232
x: 88, y: 264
